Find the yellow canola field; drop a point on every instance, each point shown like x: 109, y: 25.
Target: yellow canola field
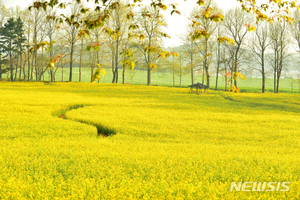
x: 164, y: 143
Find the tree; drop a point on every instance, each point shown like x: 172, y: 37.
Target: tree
x: 180, y: 60
x: 81, y: 56
x: 8, y: 38
x: 20, y: 41
x: 92, y: 59
x: 280, y: 43
x: 208, y: 27
x: 71, y: 32
x: 295, y: 29
x: 4, y: 13
x: 150, y: 23
x: 267, y: 11
x: 51, y: 33
x: 190, y: 52
x: 225, y: 62
x: 270, y: 10
x: 235, y: 21
x: 27, y: 19
x: 127, y: 61
x: 117, y: 31
x: 3, y: 16
x: 219, y: 32
x: 37, y: 23
x: 174, y: 64
x: 95, y: 38
x: 258, y: 45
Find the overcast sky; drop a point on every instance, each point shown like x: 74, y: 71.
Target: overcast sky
x: 176, y: 23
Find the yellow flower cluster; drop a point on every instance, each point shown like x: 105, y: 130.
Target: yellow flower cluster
x: 165, y: 142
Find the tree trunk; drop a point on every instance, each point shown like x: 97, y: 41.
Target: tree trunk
x: 71, y: 63
x: 173, y: 75
x: 36, y: 68
x: 207, y: 77
x: 206, y: 64
x: 35, y: 52
x: 225, y: 76
x: 92, y: 73
x: 123, y: 76
x: 217, y: 79
x: 16, y: 72
x: 231, y: 79
x: 218, y: 65
x: 42, y: 64
x: 31, y: 74
x: 263, y: 82
x: 280, y: 65
x: 80, y: 71
x: 116, y: 61
x: 113, y: 65
x: 180, y: 73
x: 192, y: 70
x: 116, y: 74
x: 11, y: 68
x: 92, y: 67
x: 203, y: 74
x: 80, y: 61
x: 235, y: 81
x: 236, y: 64
x: 0, y: 65
x: 62, y: 72
x: 275, y: 81
x: 28, y: 67
x: 275, y: 72
x: 51, y: 75
x: 275, y: 68
x: 263, y: 74
x: 20, y: 74
x: 148, y: 62
x: 28, y: 78
x: 54, y: 73
x: 24, y: 67
x: 149, y: 76
x: 277, y: 87
x: 278, y: 76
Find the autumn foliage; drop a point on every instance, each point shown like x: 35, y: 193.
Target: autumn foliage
x: 235, y: 76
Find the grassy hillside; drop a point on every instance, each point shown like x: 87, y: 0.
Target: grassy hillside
x: 164, y: 143
x: 138, y: 77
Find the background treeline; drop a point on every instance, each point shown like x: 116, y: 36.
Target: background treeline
x: 29, y: 40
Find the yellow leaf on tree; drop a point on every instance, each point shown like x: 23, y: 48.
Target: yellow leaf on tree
x: 252, y: 28
x: 51, y: 65
x: 103, y: 72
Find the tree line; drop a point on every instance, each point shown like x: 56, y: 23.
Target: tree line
x: 264, y: 44
x: 32, y: 43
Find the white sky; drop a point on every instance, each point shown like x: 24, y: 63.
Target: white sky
x: 176, y: 23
